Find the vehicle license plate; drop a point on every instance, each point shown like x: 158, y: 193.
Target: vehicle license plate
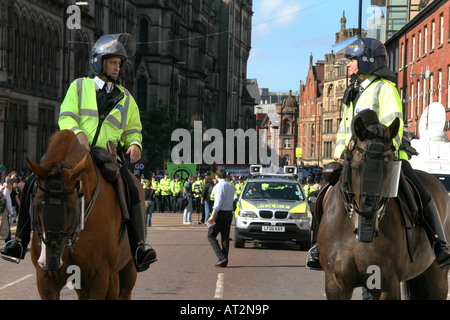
x: 272, y: 229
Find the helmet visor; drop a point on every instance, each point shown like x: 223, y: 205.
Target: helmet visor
x: 120, y: 44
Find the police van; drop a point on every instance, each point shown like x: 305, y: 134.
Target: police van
x: 273, y: 207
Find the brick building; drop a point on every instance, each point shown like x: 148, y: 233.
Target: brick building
x: 310, y: 113
x: 419, y: 54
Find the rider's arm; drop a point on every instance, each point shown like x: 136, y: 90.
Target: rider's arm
x: 69, y: 114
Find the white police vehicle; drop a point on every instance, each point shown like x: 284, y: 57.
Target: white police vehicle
x: 273, y: 207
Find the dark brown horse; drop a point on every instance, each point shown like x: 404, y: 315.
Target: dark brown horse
x: 382, y: 261
x: 79, y: 234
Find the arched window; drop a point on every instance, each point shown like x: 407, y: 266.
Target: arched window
x: 141, y: 97
x: 286, y: 127
x: 143, y: 35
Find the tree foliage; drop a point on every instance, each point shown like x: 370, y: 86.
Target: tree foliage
x: 157, y: 126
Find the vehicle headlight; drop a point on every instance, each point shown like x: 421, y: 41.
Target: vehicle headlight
x: 299, y: 215
x: 248, y: 214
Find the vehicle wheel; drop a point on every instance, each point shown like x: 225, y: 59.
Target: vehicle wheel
x: 238, y: 241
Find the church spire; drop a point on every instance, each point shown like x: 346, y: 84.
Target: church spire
x: 343, y: 22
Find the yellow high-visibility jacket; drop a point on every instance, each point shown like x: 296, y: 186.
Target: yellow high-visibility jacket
x: 381, y: 96
x: 79, y: 113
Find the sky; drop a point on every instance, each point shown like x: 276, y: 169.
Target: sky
x: 286, y: 32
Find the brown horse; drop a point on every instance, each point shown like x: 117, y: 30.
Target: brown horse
x: 79, y: 237
x: 379, y: 261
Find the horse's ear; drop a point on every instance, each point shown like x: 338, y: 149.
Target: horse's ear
x: 393, y: 128
x: 359, y: 129
x: 37, y: 169
x: 80, y: 167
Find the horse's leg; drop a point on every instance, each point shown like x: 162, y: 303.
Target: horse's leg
x: 127, y: 278
x: 390, y: 288
x: 99, y: 284
x: 335, y: 289
x: 434, y: 285
x: 48, y: 287
x: 113, y: 289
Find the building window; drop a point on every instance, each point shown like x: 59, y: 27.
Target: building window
x: 441, y: 29
x: 46, y: 128
x: 287, y: 143
x: 440, y: 86
x: 286, y: 127
x: 141, y: 97
x: 402, y: 55
x: 425, y: 42
x: 433, y: 34
x: 413, y: 51
x: 419, y: 47
x: 15, y: 128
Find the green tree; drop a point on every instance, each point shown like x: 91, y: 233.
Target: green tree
x: 157, y: 126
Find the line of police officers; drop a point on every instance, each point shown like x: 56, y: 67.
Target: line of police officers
x: 167, y: 193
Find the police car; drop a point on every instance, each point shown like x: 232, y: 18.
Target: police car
x: 273, y: 207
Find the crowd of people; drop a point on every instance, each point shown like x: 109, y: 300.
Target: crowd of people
x: 195, y: 195
x: 11, y: 186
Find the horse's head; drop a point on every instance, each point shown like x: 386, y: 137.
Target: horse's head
x: 57, y: 210
x: 370, y: 175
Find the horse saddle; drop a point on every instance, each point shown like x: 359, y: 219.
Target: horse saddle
x: 106, y: 161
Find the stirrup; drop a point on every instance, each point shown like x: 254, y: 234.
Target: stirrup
x: 146, y: 265
x: 12, y: 259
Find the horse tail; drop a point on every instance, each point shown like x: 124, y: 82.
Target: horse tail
x: 416, y: 288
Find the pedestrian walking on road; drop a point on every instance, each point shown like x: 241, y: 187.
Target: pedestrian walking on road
x: 187, y: 194
x: 221, y: 218
x: 206, y: 198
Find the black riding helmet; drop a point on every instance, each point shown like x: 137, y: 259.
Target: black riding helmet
x: 371, y: 55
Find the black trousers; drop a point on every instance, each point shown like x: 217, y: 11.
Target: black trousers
x: 222, y: 226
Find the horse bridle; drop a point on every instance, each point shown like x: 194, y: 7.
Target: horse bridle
x: 55, y: 208
x: 373, y: 155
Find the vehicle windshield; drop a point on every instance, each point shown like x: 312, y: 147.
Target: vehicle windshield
x: 285, y: 190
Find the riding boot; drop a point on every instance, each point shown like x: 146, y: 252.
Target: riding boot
x: 15, y: 249
x: 437, y: 235
x: 143, y: 254
x: 313, y: 262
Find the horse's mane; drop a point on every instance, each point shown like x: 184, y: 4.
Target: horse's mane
x: 58, y: 146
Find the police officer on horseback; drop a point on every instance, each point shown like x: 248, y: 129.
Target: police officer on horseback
x: 372, y: 88
x: 88, y: 102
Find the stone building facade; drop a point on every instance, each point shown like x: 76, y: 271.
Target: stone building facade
x: 190, y: 53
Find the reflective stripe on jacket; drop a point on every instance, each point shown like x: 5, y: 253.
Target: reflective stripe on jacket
x: 382, y: 97
x: 79, y: 113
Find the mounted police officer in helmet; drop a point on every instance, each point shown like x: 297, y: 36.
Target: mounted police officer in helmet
x: 372, y: 88
x: 99, y: 110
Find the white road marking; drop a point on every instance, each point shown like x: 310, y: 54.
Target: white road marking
x: 219, y: 286
x: 17, y: 281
